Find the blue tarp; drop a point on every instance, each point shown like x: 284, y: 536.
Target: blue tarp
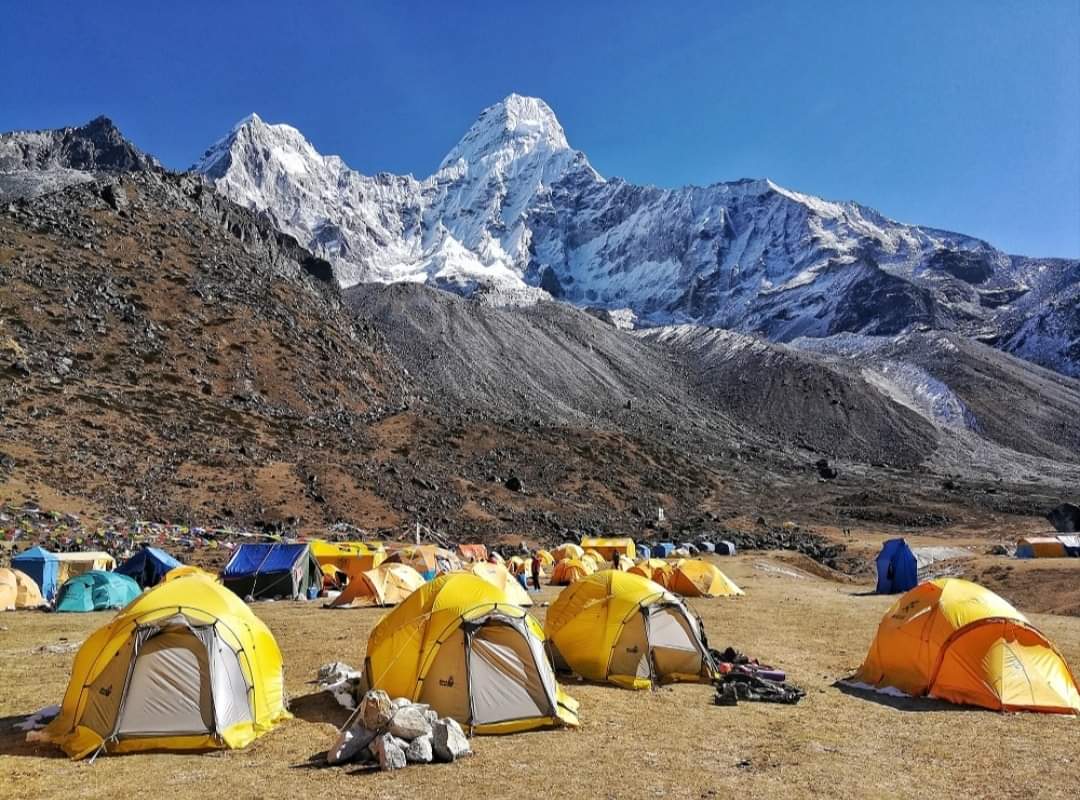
x: 897, y: 569
x: 148, y: 566
x: 251, y: 559
x: 43, y: 567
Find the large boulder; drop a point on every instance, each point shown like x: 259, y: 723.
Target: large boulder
x: 409, y: 722
x: 1065, y: 518
x: 376, y: 710
x: 352, y: 744
x: 448, y: 741
x: 420, y: 750
x: 389, y: 751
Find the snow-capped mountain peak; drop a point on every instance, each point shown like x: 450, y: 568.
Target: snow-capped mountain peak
x: 513, y: 205
x: 516, y: 126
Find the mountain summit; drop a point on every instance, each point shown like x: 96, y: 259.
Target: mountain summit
x: 513, y: 206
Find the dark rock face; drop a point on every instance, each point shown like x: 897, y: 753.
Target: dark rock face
x: 97, y: 146
x: 1065, y: 518
x: 970, y: 267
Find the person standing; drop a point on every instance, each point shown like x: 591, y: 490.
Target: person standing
x: 536, y: 571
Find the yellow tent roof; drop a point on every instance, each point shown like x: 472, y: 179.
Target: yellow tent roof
x: 18, y: 590
x: 567, y: 550
x: 589, y: 617
x: 202, y: 601
x: 546, y: 558
x: 571, y: 569
x: 386, y: 585
x: 500, y: 576
x: 608, y: 545
x: 189, y: 569
x: 692, y: 577
x: 958, y: 641
x: 406, y: 644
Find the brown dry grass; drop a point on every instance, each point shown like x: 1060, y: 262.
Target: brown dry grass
x: 671, y: 743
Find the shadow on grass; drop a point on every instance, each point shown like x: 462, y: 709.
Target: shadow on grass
x: 319, y: 707
x: 911, y: 704
x: 13, y: 741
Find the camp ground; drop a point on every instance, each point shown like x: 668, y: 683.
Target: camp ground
x: 556, y: 676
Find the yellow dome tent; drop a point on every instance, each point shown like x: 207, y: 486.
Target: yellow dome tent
x: 185, y: 666
x: 188, y: 569
x: 18, y: 590
x: 596, y: 556
x: 957, y: 641
x: 567, y: 550
x: 692, y: 577
x: 571, y: 569
x: 500, y: 577
x: 546, y: 558
x: 386, y: 585
x: 459, y: 646
x: 655, y: 569
x: 622, y: 628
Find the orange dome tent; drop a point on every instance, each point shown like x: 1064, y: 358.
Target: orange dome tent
x: 955, y: 640
x: 386, y: 585
x: 655, y: 569
x: 696, y: 578
x: 571, y: 569
x: 18, y: 590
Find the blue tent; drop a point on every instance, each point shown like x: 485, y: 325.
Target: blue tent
x: 643, y: 551
x: 897, y: 569
x: 148, y: 566
x: 273, y: 570
x: 725, y: 548
x: 43, y: 567
x: 96, y: 590
x: 706, y: 546
x: 663, y: 550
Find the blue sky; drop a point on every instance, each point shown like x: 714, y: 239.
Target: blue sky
x: 965, y: 116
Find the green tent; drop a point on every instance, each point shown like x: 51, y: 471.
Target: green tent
x: 96, y: 590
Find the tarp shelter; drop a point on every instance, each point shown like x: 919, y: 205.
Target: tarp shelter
x: 72, y: 564
x: 263, y: 571
x: 148, y: 566
x: 427, y: 559
x: 459, y: 646
x: 569, y: 570
x: 352, y: 558
x: 18, y: 590
x: 96, y: 590
x: 725, y: 548
x: 567, y: 550
x: 957, y: 641
x: 897, y: 568
x: 43, y: 568
x: 607, y: 546
x: 695, y: 578
x: 623, y: 628
x: 1040, y: 547
x: 187, y: 666
x: 472, y: 552
x: 1071, y: 543
x: 500, y: 577
x: 386, y: 585
x: 663, y: 549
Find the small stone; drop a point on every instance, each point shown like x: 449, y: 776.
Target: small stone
x: 375, y: 709
x: 409, y: 722
x: 420, y: 750
x: 448, y: 740
x: 388, y: 751
x: 513, y: 483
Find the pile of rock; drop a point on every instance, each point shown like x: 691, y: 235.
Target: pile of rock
x: 393, y: 733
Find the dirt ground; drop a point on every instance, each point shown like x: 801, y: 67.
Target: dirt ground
x: 670, y: 743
